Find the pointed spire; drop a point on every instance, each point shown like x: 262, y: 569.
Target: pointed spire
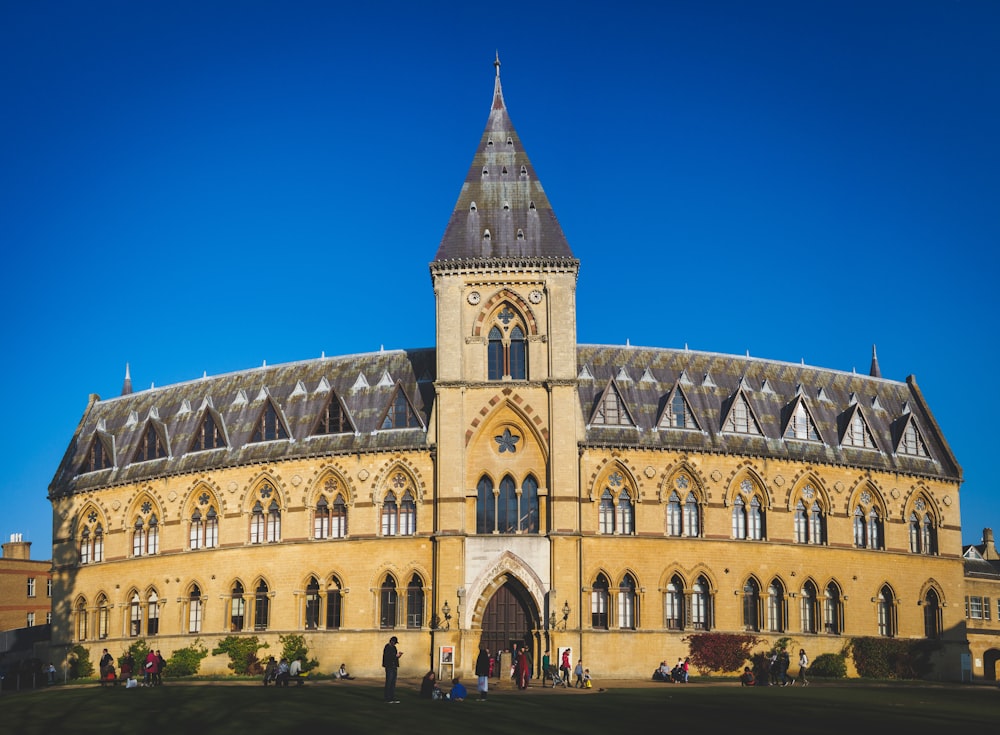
x: 502, y: 211
x: 127, y: 385
x: 874, y: 371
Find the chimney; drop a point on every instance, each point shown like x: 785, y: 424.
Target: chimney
x: 16, y: 548
x: 989, y: 546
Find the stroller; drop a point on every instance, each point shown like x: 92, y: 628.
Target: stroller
x: 553, y: 672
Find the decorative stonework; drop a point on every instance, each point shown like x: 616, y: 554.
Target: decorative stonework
x: 296, y: 480
x: 838, y: 486
x: 716, y: 475
x: 946, y: 500
x: 535, y: 296
x: 474, y: 298
x: 233, y: 486
x: 894, y: 493
x: 779, y: 480
x: 172, y: 496
x: 649, y: 472
x: 363, y: 475
x: 116, y: 504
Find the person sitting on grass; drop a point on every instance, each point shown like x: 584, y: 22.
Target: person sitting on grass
x: 746, y: 678
x: 458, y: 692
x: 342, y: 672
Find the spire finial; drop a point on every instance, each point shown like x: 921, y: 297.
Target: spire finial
x: 127, y: 385
x: 875, y: 372
x: 497, y: 63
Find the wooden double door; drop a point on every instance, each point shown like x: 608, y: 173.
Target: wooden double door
x: 510, y: 618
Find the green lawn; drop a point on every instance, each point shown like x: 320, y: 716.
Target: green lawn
x: 357, y: 707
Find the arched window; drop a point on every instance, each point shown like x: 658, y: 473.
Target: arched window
x: 415, y: 603
x: 751, y: 605
x: 701, y: 605
x: 92, y: 544
x: 886, y: 608
x: 103, y: 617
x: 860, y: 528
x: 809, y: 522
x: 674, y: 515
x: 338, y: 518
x: 237, y: 608
x: 923, y: 535
x: 673, y: 604
x: 599, y: 603
x: 808, y: 608
x: 932, y: 615
x: 506, y: 351
x: 194, y: 609
x: 625, y: 515
x: 321, y: 519
x: 407, y: 515
x: 390, y: 515
x: 833, y: 610
x: 204, y: 529
x: 85, y: 547
x: 333, y: 604
x: 507, y: 506
x: 739, y: 518
x: 257, y: 523
x: 776, y: 607
x: 152, y: 614
x: 485, y: 506
x: 874, y: 529
x: 627, y: 614
x: 755, y: 520
x: 261, y: 607
x: 387, y: 606
x: 928, y: 537
x: 692, y: 526
x: 312, y: 604
x: 135, y: 615
x: 606, y: 512
x: 81, y: 620
x: 529, y: 505
x: 817, y: 524
x: 801, y: 524
x: 273, y: 522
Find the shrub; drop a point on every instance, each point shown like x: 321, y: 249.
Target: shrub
x: 891, y: 658
x: 294, y: 647
x: 830, y: 665
x: 187, y: 661
x: 722, y: 652
x: 138, y: 650
x: 80, y: 665
x: 242, y: 651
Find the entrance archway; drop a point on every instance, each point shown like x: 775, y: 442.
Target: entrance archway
x: 990, y: 659
x: 510, y: 617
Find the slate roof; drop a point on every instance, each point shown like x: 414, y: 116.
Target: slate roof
x: 643, y: 377
x: 502, y: 211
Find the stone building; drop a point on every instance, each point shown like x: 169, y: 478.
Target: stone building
x: 509, y: 485
x: 25, y: 588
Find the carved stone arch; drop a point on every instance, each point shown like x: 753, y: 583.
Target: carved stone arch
x: 671, y: 572
x: 194, y: 581
x: 701, y: 570
x: 193, y: 498
x: 605, y: 470
x: 932, y: 584
x: 801, y: 584
x: 524, y: 309
x: 252, y: 491
x: 808, y: 477
x: 387, y: 479
x: 317, y: 486
x: 883, y: 584
x: 672, y: 474
x: 385, y: 569
x: 82, y: 521
x: 491, y: 414
x: 134, y: 506
x: 756, y: 578
x: 856, y: 497
x: 635, y: 578
x: 746, y: 471
x: 507, y: 565
x: 919, y: 491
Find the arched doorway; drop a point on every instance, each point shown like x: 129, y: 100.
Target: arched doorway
x: 510, y: 617
x: 990, y: 659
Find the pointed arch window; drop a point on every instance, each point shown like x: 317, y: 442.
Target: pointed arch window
x: 92, y: 544
x: 886, y: 611
x: 529, y: 505
x: 415, y: 603
x: 776, y: 607
x: 612, y: 411
x: 616, y: 514
x: 204, y: 529
x: 257, y: 523
x: 933, y: 625
x: 692, y: 525
x: 85, y: 546
x: 145, y: 534
x: 875, y: 527
x: 338, y: 518
x: 194, y: 609
x: 237, y: 608
x: 312, y: 604
x: 261, y: 606
x: 923, y: 534
x: 390, y: 515
x: 809, y: 611
x: 748, y: 513
x: 407, y: 515
x: 833, y: 610
x: 740, y: 419
x: 679, y: 415
x: 333, y: 420
x: 82, y: 621
x: 268, y: 426
x: 751, y: 605
x: 701, y: 605
x: 399, y: 518
x: 507, y: 347
x: 208, y: 435
x: 334, y: 596
x: 387, y: 603
x: 485, y: 506
x: 911, y: 442
x: 103, y: 617
x: 135, y: 615
x: 273, y: 522
x: 800, y: 425
x: 625, y: 513
x: 858, y: 434
x: 627, y: 612
x: 809, y: 523
x: 673, y: 604
x: 99, y: 457
x: 606, y: 512
x: 674, y: 516
x: 507, y: 506
x: 599, y: 603
x: 321, y: 519
x: 152, y: 614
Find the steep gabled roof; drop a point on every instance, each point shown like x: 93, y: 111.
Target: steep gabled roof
x: 502, y: 211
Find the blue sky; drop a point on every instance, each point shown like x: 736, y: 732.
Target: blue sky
x: 201, y: 187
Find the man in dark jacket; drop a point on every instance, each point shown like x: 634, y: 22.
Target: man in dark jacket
x: 483, y: 671
x: 390, y: 662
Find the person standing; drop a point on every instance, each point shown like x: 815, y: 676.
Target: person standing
x: 150, y: 668
x: 523, y: 668
x: 564, y: 666
x: 546, y: 669
x: 390, y: 662
x: 483, y: 671
x: 783, y: 664
x: 578, y: 671
x: 803, y: 666
x: 107, y: 661
x: 161, y: 664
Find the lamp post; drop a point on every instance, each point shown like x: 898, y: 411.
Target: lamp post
x: 446, y: 612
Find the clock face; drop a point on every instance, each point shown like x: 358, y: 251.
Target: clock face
x: 535, y: 296
x: 474, y: 298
